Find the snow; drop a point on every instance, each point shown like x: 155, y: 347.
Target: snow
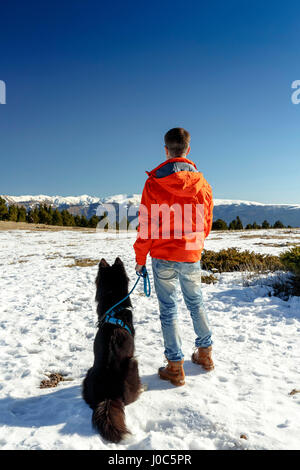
x: 83, y: 200
x: 238, y: 202
x: 48, y: 323
x: 122, y: 199
x: 134, y: 199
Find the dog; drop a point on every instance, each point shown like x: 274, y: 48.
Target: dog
x: 113, y: 382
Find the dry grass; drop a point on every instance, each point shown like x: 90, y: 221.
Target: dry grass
x: 8, y: 225
x: 54, y: 380
x: 269, y: 237
x: 277, y: 245
x: 294, y: 391
x: 53, y: 255
x: 59, y: 255
x: 19, y: 261
x: 82, y: 263
x: 209, y: 279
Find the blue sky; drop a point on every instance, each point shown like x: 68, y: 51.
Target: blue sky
x: 93, y: 86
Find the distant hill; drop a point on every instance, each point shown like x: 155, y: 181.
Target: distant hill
x: 225, y: 209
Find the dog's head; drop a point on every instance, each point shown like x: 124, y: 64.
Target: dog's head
x: 112, y: 284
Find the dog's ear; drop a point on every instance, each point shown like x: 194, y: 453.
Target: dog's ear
x: 103, y: 263
x: 119, y: 262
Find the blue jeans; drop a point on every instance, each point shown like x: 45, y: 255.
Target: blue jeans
x: 166, y: 275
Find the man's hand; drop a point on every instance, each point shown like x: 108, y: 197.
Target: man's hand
x: 138, y: 268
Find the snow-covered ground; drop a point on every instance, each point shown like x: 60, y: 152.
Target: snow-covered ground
x: 47, y: 324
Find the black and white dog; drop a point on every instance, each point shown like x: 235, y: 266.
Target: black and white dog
x: 113, y: 381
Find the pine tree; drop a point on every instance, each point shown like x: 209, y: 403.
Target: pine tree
x: 13, y: 213
x: 265, y: 224
x: 50, y: 212
x: 22, y: 214
x: 83, y: 221
x: 28, y: 216
x: 44, y: 215
x: 219, y: 224
x: 93, y: 222
x: 35, y: 215
x: 57, y: 218
x: 249, y: 227
x: 278, y: 224
x: 77, y: 220
x: 238, y: 225
x: 3, y: 209
x: 232, y: 225
x: 68, y: 219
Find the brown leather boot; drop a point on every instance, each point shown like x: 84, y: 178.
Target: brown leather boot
x: 173, y: 372
x: 203, y: 357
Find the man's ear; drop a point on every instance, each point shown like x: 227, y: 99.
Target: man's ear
x: 167, y: 151
x: 103, y: 263
x: 188, y: 150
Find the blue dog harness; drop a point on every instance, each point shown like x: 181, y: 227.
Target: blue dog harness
x: 110, y: 318
x: 110, y: 313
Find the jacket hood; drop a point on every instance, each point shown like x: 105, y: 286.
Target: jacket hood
x: 178, y: 176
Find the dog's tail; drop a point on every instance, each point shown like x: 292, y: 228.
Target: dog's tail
x: 109, y: 420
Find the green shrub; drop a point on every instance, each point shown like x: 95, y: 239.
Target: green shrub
x: 234, y: 260
x: 291, y: 260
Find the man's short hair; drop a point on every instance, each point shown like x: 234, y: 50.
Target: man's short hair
x: 177, y: 141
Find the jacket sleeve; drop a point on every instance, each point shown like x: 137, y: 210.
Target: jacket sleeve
x: 143, y: 242
x: 209, y: 205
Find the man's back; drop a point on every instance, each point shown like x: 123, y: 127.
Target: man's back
x: 176, y: 199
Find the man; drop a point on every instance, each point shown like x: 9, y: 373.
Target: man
x: 178, y: 189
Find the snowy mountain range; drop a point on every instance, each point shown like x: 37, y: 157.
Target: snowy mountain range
x: 225, y: 209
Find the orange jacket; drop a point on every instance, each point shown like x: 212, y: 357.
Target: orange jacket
x: 176, y: 181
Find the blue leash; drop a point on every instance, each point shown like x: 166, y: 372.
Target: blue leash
x: 147, y: 287
x: 109, y: 317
